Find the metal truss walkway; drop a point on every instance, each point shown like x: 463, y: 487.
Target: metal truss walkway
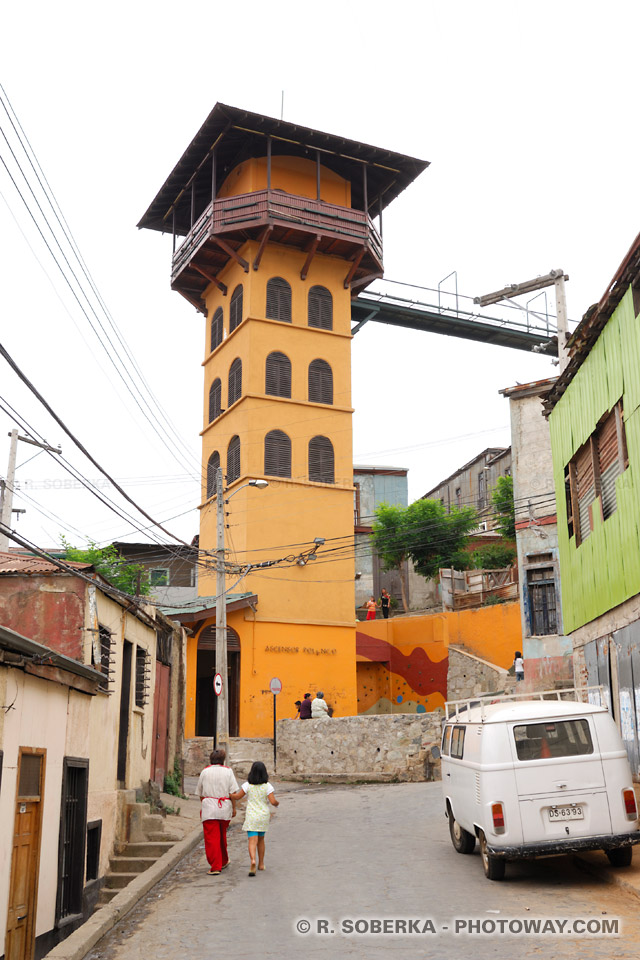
x: 454, y: 315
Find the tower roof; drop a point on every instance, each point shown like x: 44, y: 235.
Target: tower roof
x: 239, y: 134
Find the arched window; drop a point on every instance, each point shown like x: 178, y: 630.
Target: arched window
x: 235, y: 380
x: 277, y: 454
x: 320, y: 382
x: 279, y: 300
x: 233, y: 459
x: 215, y: 400
x: 212, y: 471
x: 320, y: 308
x: 216, y: 329
x: 278, y: 375
x: 321, y: 460
x: 235, y: 308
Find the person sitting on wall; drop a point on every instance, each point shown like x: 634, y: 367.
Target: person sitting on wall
x: 319, y: 707
x: 305, y: 707
x: 297, y: 705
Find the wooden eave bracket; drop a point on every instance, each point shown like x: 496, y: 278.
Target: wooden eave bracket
x: 370, y: 277
x: 311, y: 252
x: 218, y: 283
x: 193, y: 302
x: 354, y: 266
x: 228, y: 249
x: 263, y: 242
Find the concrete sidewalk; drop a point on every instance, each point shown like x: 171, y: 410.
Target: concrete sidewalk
x: 595, y: 862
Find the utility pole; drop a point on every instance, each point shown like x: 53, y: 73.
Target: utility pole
x: 9, y: 485
x: 221, y: 615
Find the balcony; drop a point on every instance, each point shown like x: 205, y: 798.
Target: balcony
x: 311, y: 226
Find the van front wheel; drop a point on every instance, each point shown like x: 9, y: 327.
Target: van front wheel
x: 462, y: 840
x: 493, y: 866
x: 620, y: 857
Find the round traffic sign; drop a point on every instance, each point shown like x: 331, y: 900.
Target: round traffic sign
x: 217, y: 684
x: 276, y: 685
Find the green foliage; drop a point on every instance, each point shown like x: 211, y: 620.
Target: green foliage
x: 492, y: 599
x: 111, y: 565
x: 425, y: 533
x: 495, y: 556
x: 173, y: 782
x: 502, y: 498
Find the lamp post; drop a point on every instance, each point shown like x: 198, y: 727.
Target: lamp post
x: 221, y: 602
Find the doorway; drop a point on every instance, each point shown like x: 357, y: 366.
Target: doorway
x: 125, y: 706
x: 25, y: 856
x: 206, y: 668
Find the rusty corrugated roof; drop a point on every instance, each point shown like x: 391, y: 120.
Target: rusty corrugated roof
x: 19, y: 563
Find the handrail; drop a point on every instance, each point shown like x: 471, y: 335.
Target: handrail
x: 489, y: 699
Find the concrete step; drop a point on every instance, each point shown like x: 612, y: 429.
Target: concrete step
x: 117, y: 881
x: 130, y: 864
x: 162, y: 837
x: 147, y: 848
x: 106, y: 896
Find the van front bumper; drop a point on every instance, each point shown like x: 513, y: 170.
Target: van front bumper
x: 549, y: 848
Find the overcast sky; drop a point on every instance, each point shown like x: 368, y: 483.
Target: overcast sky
x: 527, y: 112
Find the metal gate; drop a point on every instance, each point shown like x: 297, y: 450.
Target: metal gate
x: 627, y: 644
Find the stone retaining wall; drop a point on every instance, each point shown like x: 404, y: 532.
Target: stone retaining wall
x: 379, y: 747
x: 469, y: 676
x: 241, y: 753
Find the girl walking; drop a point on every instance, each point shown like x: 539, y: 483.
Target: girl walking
x: 260, y: 795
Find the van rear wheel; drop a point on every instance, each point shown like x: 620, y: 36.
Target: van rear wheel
x: 493, y: 866
x: 462, y: 840
x: 620, y: 857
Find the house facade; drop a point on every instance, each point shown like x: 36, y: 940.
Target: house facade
x: 172, y: 570
x: 473, y: 483
x: 594, y: 419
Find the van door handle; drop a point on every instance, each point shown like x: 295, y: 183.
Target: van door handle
x: 560, y: 785
x: 23, y: 917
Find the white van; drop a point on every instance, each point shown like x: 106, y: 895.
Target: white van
x: 536, y: 777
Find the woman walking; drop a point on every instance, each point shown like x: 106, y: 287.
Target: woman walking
x: 260, y: 794
x: 216, y: 788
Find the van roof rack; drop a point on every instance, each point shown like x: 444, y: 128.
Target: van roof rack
x: 593, y: 694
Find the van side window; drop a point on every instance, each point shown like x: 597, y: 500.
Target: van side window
x: 446, y: 741
x: 457, y: 742
x: 557, y: 738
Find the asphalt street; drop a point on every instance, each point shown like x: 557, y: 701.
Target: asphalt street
x: 342, y: 859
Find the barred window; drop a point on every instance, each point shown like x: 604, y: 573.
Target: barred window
x: 320, y: 304
x: 278, y: 375
x: 320, y: 382
x: 215, y: 400
x: 233, y: 459
x: 235, y: 380
x: 216, y: 329
x: 321, y: 460
x: 279, y: 300
x: 212, y: 472
x: 235, y: 309
x: 142, y: 676
x: 102, y: 661
x: 277, y: 454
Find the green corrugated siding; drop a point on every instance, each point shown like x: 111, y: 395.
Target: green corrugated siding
x: 605, y: 570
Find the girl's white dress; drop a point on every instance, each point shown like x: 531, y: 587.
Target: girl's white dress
x: 258, y: 815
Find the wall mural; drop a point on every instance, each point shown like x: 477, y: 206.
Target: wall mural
x: 393, y: 680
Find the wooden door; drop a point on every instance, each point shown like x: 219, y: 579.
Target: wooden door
x: 125, y: 707
x: 161, y: 722
x: 25, y: 858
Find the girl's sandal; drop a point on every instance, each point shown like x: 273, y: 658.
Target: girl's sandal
x: 252, y: 870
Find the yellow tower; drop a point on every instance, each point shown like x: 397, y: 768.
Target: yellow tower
x: 279, y: 236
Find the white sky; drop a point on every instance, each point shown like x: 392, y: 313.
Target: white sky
x: 527, y: 112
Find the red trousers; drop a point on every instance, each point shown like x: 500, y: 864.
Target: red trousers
x: 215, y: 842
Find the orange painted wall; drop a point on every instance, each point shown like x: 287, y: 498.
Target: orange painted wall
x: 493, y: 633
x: 291, y: 174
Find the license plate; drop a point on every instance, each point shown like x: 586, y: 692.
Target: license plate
x: 566, y: 813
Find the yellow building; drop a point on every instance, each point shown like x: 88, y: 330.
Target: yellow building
x: 278, y: 237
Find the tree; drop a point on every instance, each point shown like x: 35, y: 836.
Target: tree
x: 425, y: 533
x: 132, y: 578
x: 502, y: 498
x: 495, y: 556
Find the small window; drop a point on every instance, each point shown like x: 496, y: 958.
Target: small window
x: 235, y: 309
x: 94, y: 839
x: 320, y: 308
x: 212, y: 473
x: 320, y: 382
x: 446, y: 741
x: 101, y: 658
x: 235, y: 380
x: 159, y: 577
x: 277, y: 454
x: 321, y: 460
x: 215, y: 400
x: 278, y: 375
x: 216, y: 329
x: 30, y: 770
x: 233, y: 459
x: 541, y: 585
x: 279, y: 300
x: 457, y: 742
x: 458, y: 496
x: 556, y: 738
x: 356, y: 504
x: 142, y: 676
x: 481, y: 487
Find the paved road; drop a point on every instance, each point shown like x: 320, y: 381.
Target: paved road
x: 378, y: 851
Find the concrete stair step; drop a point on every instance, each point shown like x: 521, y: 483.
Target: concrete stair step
x: 117, y: 881
x: 162, y: 837
x: 130, y: 864
x: 147, y: 848
x: 106, y: 896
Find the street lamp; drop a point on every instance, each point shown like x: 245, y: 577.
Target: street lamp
x: 222, y: 724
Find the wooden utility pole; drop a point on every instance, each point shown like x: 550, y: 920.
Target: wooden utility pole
x: 9, y: 484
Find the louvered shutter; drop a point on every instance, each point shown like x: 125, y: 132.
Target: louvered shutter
x: 216, y: 329
x: 235, y: 308
x: 235, y: 381
x: 233, y: 459
x: 608, y: 462
x: 279, y: 300
x: 321, y: 460
x: 278, y: 375
x: 277, y: 454
x: 585, y: 488
x: 215, y: 400
x: 320, y: 382
x: 212, y: 470
x: 320, y: 308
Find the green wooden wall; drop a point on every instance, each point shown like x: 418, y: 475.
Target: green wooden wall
x: 604, y: 570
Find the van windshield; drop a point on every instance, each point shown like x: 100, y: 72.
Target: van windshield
x: 555, y: 738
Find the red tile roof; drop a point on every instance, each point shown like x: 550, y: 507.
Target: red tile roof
x: 20, y: 563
